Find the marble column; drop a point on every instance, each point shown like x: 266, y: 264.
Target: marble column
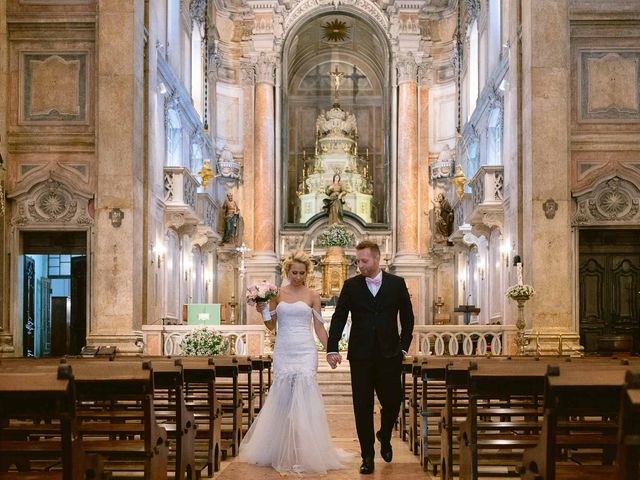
x: 424, y: 187
x: 407, y: 214
x: 5, y: 335
x: 264, y: 175
x: 262, y: 263
x: 545, y: 145
x: 407, y: 261
x: 117, y: 262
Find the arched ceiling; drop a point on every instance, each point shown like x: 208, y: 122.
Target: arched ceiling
x: 339, y: 37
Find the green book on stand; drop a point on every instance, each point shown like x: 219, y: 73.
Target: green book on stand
x: 203, y: 314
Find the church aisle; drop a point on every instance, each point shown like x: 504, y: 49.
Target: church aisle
x: 404, y: 466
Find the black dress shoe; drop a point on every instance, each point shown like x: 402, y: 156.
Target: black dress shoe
x: 385, y: 448
x: 367, y: 466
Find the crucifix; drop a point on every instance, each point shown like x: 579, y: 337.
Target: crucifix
x: 355, y: 78
x: 336, y: 76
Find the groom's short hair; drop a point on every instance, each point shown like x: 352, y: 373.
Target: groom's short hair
x: 373, y: 246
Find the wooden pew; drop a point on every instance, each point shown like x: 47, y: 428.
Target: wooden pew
x: 38, y: 423
x: 172, y: 413
x: 404, y: 420
x: 116, y: 418
x: 628, y: 459
x: 581, y: 412
x: 199, y: 375
x: 504, y: 416
x: 228, y: 392
x: 432, y: 400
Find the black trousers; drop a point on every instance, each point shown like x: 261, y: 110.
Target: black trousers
x: 382, y: 375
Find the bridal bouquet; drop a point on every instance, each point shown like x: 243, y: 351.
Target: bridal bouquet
x: 261, y: 292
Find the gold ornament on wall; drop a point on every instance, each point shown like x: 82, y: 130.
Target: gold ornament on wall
x: 206, y: 173
x: 335, y: 31
x: 459, y: 181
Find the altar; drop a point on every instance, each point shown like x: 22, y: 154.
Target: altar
x: 336, y: 164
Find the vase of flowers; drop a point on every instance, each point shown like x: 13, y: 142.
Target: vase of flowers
x: 520, y: 293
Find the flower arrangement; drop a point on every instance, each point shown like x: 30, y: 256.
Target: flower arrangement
x: 204, y: 342
x: 520, y: 291
x: 336, y: 235
x: 261, y: 292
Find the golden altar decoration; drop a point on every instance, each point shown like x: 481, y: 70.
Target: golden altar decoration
x: 335, y: 269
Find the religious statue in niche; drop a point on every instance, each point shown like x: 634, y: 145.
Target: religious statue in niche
x: 442, y: 218
x: 232, y: 221
x: 334, y: 203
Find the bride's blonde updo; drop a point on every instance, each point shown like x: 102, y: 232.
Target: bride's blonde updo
x: 296, y: 257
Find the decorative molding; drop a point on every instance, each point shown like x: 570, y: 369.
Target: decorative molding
x: 51, y: 202
x: 198, y: 11
x: 305, y: 7
x: 612, y: 202
x: 609, y: 86
x: 54, y: 88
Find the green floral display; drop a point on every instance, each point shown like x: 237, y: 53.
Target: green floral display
x: 204, y: 342
x: 336, y: 235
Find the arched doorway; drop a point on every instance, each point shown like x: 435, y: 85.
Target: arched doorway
x: 609, y: 265
x: 51, y: 237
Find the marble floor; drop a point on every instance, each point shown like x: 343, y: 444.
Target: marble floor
x: 404, y: 466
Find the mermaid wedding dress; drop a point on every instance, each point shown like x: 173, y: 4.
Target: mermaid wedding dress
x: 291, y: 433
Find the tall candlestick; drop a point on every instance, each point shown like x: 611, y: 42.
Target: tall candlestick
x: 282, y: 245
x: 386, y: 246
x: 519, y: 271
x: 312, y: 242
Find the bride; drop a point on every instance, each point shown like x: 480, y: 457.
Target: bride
x: 291, y: 432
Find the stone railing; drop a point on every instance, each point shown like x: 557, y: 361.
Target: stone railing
x: 207, y: 211
x: 180, y: 187
x: 488, y: 195
x: 464, y: 339
x: 166, y: 339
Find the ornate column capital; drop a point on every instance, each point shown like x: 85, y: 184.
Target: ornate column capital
x: 407, y: 69
x: 247, y: 74
x: 265, y: 69
x: 425, y: 73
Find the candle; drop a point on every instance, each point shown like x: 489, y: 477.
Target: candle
x: 312, y: 241
x: 519, y: 270
x: 282, y: 245
x: 386, y: 246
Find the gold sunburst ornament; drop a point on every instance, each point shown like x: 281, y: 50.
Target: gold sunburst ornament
x: 335, y: 31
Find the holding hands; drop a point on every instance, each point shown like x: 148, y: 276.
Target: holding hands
x: 334, y: 359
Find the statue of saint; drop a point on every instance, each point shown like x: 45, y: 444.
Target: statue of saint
x: 232, y: 220
x: 443, y: 218
x: 335, y: 202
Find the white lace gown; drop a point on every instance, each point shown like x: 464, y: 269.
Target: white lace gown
x: 291, y: 433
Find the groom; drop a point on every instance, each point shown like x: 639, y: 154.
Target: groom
x: 376, y: 349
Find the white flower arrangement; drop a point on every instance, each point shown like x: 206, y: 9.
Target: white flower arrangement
x: 336, y: 235
x: 204, y: 342
x: 520, y: 291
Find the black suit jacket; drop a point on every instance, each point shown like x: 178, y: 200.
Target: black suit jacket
x: 373, y: 317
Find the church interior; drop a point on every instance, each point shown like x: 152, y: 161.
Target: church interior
x: 159, y: 157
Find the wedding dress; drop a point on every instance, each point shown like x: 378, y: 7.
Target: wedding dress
x: 291, y: 433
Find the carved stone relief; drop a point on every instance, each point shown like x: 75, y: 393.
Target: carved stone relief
x: 51, y: 202
x: 611, y: 202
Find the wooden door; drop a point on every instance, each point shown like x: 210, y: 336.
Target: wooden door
x: 45, y: 321
x: 609, y: 275
x: 60, y: 313
x: 29, y: 308
x: 78, y: 304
